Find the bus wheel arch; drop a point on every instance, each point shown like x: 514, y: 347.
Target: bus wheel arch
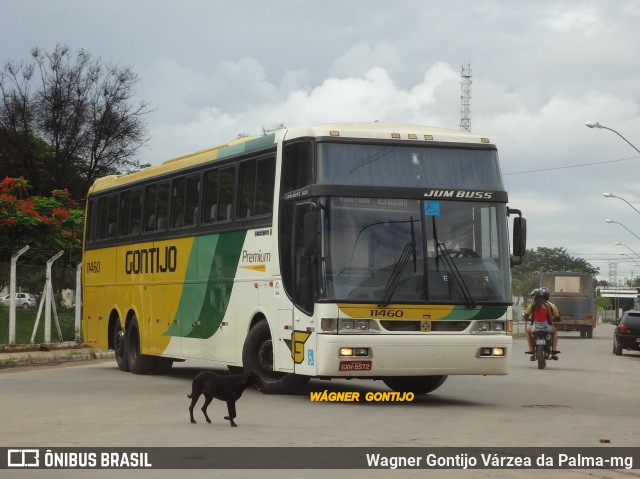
x: 257, y: 358
x: 117, y: 341
x: 138, y: 363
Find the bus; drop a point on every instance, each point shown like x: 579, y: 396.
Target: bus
x: 347, y: 250
x: 574, y: 294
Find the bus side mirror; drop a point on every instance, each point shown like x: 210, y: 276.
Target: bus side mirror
x: 310, y: 232
x: 519, y: 237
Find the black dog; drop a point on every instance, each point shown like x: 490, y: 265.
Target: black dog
x: 227, y: 388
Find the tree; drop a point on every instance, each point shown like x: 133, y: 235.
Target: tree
x: 65, y: 120
x: 46, y: 224
x: 526, y: 276
x: 266, y: 130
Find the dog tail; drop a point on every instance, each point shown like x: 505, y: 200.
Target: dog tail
x: 189, y: 395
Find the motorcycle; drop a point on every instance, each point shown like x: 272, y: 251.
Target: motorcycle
x: 543, y: 343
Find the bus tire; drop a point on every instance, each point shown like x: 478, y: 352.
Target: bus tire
x: 589, y: 332
x: 414, y: 384
x: 138, y: 363
x: 119, y: 347
x: 257, y: 358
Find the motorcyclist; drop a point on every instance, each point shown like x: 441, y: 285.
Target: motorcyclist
x: 554, y: 310
x: 541, y: 314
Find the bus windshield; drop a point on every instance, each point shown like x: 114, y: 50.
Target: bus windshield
x: 400, y: 250
x: 408, y: 166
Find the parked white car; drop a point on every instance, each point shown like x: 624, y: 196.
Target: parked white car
x: 23, y: 300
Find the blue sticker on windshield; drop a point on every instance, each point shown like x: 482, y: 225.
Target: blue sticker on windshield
x: 432, y: 208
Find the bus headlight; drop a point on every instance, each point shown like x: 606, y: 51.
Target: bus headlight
x: 354, y: 326
x: 489, y: 327
x: 492, y: 352
x: 348, y: 326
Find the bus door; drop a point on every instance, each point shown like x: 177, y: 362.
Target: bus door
x: 293, y: 342
x: 306, y: 254
x: 282, y: 330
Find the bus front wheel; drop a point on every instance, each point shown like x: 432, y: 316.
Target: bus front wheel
x: 257, y: 358
x: 415, y: 384
x: 138, y: 363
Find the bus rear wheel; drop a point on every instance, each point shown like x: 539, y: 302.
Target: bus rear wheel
x: 138, y: 363
x: 257, y: 358
x: 118, y: 346
x: 415, y: 384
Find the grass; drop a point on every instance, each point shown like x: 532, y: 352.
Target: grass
x: 26, y: 319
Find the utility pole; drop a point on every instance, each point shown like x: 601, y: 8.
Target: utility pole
x: 613, y: 279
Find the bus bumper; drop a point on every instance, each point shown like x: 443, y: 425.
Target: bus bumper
x: 419, y: 355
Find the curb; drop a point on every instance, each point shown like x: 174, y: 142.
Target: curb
x: 49, y: 356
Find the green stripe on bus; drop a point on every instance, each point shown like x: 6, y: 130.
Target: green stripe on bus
x: 251, y: 145
x: 478, y: 313
x: 213, y: 264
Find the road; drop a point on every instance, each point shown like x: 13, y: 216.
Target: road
x: 589, y: 398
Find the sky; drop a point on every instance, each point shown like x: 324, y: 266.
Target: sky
x: 212, y: 69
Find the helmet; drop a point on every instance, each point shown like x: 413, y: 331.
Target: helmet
x: 536, y: 293
x: 545, y: 293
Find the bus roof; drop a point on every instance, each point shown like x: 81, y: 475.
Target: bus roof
x: 366, y: 130
x: 386, y: 131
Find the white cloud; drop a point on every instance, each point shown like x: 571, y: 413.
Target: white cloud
x: 573, y: 17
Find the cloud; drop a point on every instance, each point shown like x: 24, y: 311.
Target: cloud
x: 572, y: 18
x: 372, y: 96
x: 356, y: 61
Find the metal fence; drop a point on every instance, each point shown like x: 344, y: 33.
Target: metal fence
x: 44, y: 288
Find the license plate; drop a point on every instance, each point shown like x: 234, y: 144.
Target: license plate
x: 355, y: 365
x: 638, y: 340
x: 540, y: 342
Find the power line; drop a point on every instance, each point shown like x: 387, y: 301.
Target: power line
x: 571, y: 166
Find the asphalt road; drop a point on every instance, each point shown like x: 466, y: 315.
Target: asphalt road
x: 589, y: 398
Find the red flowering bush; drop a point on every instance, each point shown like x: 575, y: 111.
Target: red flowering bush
x: 46, y: 224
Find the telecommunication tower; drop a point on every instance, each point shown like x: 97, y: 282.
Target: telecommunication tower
x: 613, y: 274
x: 465, y: 98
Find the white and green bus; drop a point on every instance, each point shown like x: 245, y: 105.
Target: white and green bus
x: 347, y: 250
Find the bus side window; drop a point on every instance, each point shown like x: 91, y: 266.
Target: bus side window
x: 130, y: 212
x: 297, y: 166
x: 191, y: 200
x: 210, y: 199
x: 107, y: 216
x: 177, y: 202
x: 184, y: 202
x: 257, y: 178
x: 156, y: 206
x: 93, y: 216
x: 218, y: 194
x: 150, y: 193
x: 162, y: 205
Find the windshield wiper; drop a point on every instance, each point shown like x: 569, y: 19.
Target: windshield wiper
x: 453, y: 270
x: 394, y: 279
x: 409, y: 251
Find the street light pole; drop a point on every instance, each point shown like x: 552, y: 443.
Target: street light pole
x: 633, y: 261
x: 613, y: 221
x: 617, y: 243
x: 592, y: 124
x: 611, y: 195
